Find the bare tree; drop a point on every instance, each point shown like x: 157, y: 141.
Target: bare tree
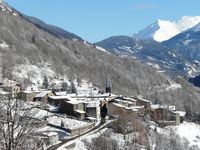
x: 129, y: 123
x: 103, y: 143
x: 18, y: 131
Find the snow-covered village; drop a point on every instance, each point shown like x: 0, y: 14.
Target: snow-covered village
x: 99, y: 75
x: 69, y: 114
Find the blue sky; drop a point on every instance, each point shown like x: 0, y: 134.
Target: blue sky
x: 95, y: 20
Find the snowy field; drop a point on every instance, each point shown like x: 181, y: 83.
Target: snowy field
x: 190, y: 132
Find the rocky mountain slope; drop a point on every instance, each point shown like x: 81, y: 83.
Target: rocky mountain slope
x: 187, y: 43
x: 152, y: 53
x: 24, y: 43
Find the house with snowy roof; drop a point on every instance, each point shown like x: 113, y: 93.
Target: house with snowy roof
x: 166, y: 115
x: 126, y: 104
x: 42, y: 96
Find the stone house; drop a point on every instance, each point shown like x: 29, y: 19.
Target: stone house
x: 69, y: 106
x: 43, y: 96
x: 74, y: 108
x: 143, y: 102
x: 165, y: 116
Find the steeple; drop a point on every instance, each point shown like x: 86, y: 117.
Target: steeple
x: 108, y: 88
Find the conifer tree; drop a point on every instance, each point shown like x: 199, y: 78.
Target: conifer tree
x: 45, y: 82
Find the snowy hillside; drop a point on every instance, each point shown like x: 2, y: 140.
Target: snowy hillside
x: 163, y: 30
x: 32, y: 72
x: 190, y: 132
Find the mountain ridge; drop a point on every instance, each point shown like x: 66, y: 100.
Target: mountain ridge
x: 54, y: 30
x: 186, y: 43
x: 152, y: 53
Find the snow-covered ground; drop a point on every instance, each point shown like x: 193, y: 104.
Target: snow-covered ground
x: 68, y: 123
x: 188, y: 131
x: 50, y: 131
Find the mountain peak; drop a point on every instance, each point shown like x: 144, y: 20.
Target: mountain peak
x: 160, y: 21
x: 162, y: 30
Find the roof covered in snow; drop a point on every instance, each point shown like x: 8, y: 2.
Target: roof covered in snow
x: 60, y: 97
x: 42, y: 94
x: 62, y: 93
x: 93, y: 104
x: 142, y: 99
x: 68, y: 123
x: 181, y: 113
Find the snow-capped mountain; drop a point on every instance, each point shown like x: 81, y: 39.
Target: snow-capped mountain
x: 162, y: 30
x: 179, y: 54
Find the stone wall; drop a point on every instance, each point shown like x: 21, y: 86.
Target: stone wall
x: 81, y: 130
